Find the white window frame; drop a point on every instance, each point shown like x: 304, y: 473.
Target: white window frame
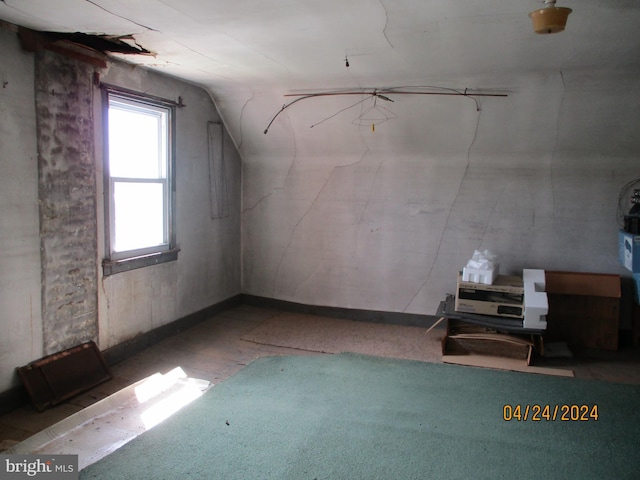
x: 119, y: 261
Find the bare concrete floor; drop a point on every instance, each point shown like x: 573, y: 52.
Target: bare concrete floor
x: 219, y: 347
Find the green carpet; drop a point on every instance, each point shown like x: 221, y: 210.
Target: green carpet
x: 357, y: 417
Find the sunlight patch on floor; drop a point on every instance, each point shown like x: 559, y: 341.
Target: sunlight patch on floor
x: 178, y: 390
x: 105, y: 426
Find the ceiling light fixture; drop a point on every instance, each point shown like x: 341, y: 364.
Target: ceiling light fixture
x: 375, y: 114
x: 549, y: 19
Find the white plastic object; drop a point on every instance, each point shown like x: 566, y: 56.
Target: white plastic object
x: 536, y: 303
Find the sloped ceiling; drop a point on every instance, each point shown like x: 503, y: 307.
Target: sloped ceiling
x: 259, y: 50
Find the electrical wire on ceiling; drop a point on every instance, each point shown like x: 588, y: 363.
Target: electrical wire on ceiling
x: 372, y: 115
x: 382, y: 113
x: 335, y: 114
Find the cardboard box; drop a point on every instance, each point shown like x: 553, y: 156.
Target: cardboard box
x: 584, y: 309
x: 477, y: 346
x: 503, y: 298
x: 629, y: 250
x: 503, y: 283
x: 466, y: 339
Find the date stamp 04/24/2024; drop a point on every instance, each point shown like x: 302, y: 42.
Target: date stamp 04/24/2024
x: 550, y: 413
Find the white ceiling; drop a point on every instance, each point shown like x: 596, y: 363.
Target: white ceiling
x: 240, y: 49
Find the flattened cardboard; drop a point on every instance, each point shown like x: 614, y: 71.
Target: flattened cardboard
x: 503, y: 364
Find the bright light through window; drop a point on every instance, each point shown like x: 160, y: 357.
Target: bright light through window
x: 138, y: 165
x: 136, y: 142
x: 139, y: 214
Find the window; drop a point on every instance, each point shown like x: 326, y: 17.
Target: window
x: 139, y: 180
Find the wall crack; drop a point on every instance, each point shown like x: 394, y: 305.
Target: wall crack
x: 95, y: 4
x: 446, y: 223
x: 386, y: 23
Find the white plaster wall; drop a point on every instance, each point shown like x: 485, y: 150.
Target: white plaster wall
x: 208, y: 267
x: 383, y: 221
x: 20, y: 300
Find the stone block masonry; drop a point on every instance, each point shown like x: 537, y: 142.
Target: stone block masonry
x: 67, y: 199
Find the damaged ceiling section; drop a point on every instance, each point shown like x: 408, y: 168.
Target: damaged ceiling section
x: 90, y: 48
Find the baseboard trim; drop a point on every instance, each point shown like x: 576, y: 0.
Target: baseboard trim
x: 128, y: 348
x: 17, y: 397
x: 373, y: 316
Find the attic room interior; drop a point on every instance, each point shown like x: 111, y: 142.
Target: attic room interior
x: 205, y: 187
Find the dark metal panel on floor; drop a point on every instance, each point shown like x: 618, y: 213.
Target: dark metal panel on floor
x: 60, y: 376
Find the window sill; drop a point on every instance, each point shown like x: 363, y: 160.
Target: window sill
x: 111, y: 267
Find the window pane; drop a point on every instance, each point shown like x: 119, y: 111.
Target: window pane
x: 136, y: 142
x: 139, y: 215
x: 139, y: 165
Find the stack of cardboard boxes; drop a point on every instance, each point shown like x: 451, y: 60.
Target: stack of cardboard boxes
x: 520, y: 299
